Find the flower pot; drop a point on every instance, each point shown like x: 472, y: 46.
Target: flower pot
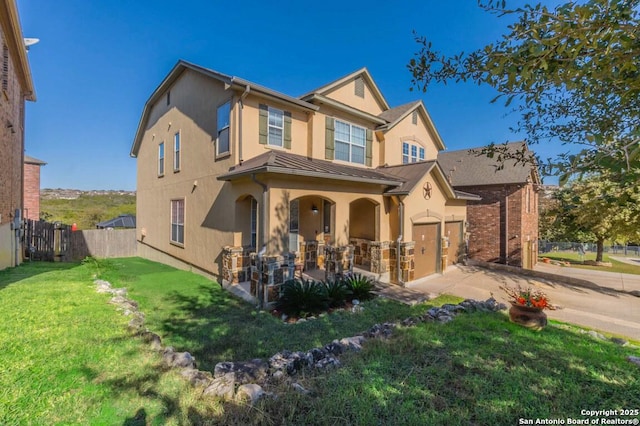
x: 528, y: 316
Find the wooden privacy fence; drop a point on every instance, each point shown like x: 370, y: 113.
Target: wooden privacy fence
x: 103, y: 243
x: 57, y: 242
x: 46, y: 241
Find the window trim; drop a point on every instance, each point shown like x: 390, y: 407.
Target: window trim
x: 350, y: 143
x: 269, y: 126
x: 161, y: 157
x: 412, y: 147
x: 219, y: 130
x: 177, y: 223
x: 177, y: 151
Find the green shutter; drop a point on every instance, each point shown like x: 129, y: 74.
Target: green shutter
x: 262, y: 123
x: 287, y: 129
x: 369, y: 147
x: 329, y: 140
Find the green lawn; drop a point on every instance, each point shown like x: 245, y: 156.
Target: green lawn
x: 68, y: 359
x: 576, y: 262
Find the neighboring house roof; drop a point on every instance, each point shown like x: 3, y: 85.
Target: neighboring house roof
x: 413, y: 173
x: 122, y: 221
x: 465, y: 168
x: 32, y: 160
x: 236, y: 82
x: 363, y: 72
x: 394, y: 115
x: 13, y: 37
x: 292, y: 164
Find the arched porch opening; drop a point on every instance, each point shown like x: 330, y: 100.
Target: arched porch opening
x: 364, y: 229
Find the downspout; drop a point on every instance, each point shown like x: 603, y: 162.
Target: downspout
x: 263, y: 239
x: 241, y: 103
x: 400, y: 238
x: 506, y: 229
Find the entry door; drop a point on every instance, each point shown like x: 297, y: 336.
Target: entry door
x: 427, y: 248
x: 453, y: 230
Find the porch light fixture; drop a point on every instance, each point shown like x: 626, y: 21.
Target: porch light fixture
x: 314, y: 209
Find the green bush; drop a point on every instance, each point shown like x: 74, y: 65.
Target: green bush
x: 337, y: 292
x: 361, y: 287
x: 302, y: 297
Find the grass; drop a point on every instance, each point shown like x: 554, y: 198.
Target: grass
x: 576, y: 262
x: 67, y: 358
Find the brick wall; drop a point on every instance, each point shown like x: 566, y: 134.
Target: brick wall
x: 491, y: 238
x: 31, y: 191
x: 11, y: 142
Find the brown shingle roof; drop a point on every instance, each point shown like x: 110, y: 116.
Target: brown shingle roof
x: 391, y: 115
x: 292, y: 164
x: 464, y: 168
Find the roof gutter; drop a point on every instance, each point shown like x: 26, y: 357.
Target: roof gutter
x: 288, y: 171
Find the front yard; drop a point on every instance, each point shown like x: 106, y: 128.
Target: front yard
x: 67, y: 358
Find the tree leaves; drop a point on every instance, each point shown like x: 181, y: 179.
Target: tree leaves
x: 574, y: 71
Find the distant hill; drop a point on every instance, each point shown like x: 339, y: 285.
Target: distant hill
x: 85, y: 208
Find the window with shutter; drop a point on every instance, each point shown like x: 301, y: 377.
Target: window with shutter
x: 350, y: 142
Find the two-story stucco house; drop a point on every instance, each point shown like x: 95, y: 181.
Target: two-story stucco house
x: 337, y: 177
x: 16, y: 87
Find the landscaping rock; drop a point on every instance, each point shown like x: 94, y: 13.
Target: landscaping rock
x: 178, y: 359
x: 634, y: 359
x: 251, y: 391
x: 137, y: 322
x: 153, y: 339
x: 255, y: 370
x: 119, y: 291
x: 619, y: 341
x: 327, y: 362
x: 102, y: 286
x: 353, y: 343
x: 197, y: 377
x: 300, y: 389
x: 222, y: 387
x: 596, y: 335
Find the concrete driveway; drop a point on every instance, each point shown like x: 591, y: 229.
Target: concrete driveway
x: 605, y: 301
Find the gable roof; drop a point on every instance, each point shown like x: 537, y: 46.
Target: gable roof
x: 464, y: 168
x: 291, y: 164
x: 32, y: 160
x: 362, y: 72
x: 231, y: 81
x: 412, y: 174
x: 12, y: 31
x: 395, y: 115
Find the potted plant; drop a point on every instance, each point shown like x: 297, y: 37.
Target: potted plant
x: 527, y: 306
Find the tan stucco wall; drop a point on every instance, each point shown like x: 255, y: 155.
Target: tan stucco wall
x: 346, y: 94
x: 251, y: 146
x: 7, y: 246
x: 208, y: 223
x: 406, y: 131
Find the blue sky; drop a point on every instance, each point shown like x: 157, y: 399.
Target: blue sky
x: 99, y: 61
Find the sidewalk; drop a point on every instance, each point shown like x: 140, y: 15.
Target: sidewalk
x: 629, y: 283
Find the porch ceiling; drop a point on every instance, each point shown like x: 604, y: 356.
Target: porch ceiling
x: 297, y: 165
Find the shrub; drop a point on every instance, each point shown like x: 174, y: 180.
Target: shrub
x: 337, y: 292
x: 300, y: 297
x: 361, y: 287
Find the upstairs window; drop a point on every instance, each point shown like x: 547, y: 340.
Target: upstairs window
x: 223, y: 117
x: 161, y: 159
x: 176, y: 152
x: 350, y: 142
x: 276, y: 127
x: 412, y: 153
